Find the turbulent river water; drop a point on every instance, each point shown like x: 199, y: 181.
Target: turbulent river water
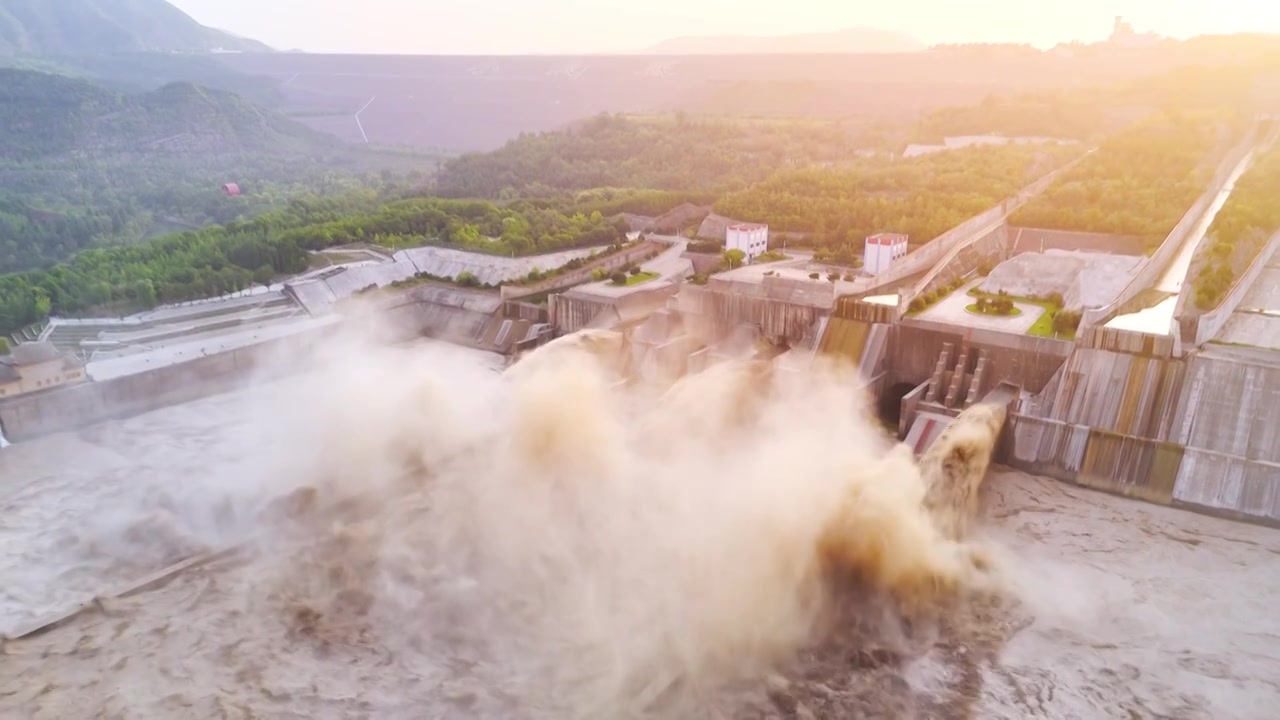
x: 422, y: 539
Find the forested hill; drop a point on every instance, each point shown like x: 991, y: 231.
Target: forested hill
x: 45, y: 116
x: 76, y: 27
x: 657, y: 152
x: 82, y: 167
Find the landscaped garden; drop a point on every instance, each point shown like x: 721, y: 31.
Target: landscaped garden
x: 1001, y: 305
x: 1055, y: 322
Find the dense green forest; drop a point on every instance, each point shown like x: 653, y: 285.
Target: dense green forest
x: 1076, y: 114
x: 219, y: 259
x: 663, y: 153
x: 1139, y: 182
x: 83, y: 167
x: 922, y: 196
x: 1241, y: 229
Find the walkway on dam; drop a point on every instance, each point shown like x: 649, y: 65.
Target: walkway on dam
x: 1158, y: 320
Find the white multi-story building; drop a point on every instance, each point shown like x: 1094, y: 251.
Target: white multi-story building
x: 752, y: 239
x: 882, y: 250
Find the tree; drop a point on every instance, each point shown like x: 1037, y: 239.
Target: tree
x: 466, y: 278
x: 834, y: 276
x: 4, y: 346
x: 814, y: 276
x: 619, y: 278
x: 263, y: 275
x: 734, y: 258
x: 635, y: 270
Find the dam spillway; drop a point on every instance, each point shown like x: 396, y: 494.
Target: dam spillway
x: 1175, y: 418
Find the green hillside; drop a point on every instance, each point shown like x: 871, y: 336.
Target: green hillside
x: 82, y: 166
x: 50, y: 116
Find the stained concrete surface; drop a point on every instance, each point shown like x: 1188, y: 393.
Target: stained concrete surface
x: 1124, y: 610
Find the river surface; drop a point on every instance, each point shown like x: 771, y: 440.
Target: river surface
x: 1126, y: 610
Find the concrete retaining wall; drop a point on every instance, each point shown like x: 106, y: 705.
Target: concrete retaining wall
x: 69, y: 408
x: 1127, y: 341
x: 1023, y: 360
x: 1026, y: 239
x: 1231, y: 407
x: 1202, y: 431
x: 1117, y: 392
x: 1161, y: 472
x: 776, y: 319
x: 1205, y: 327
x: 963, y: 260
x: 610, y: 263
x: 1150, y: 272
x: 1221, y: 482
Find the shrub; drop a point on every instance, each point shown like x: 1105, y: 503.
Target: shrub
x: 1066, y: 321
x: 635, y: 270
x: 619, y: 278
x: 599, y: 274
x: 814, y: 276
x: 833, y: 276
x: 848, y: 277
x: 698, y: 279
x: 1055, y: 298
x: 466, y: 278
x: 930, y: 297
x: 916, y: 304
x: 985, y: 267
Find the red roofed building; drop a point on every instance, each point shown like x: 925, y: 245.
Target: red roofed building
x: 231, y: 190
x: 881, y: 250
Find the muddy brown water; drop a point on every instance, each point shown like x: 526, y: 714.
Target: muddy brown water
x: 1119, y: 610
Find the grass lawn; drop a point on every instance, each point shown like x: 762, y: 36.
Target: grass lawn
x: 637, y: 279
x: 1042, y: 327
x: 768, y: 257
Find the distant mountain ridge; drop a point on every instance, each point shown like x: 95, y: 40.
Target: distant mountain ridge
x: 853, y: 40
x: 47, y: 117
x: 86, y: 27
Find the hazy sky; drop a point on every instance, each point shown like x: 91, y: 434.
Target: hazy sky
x: 580, y: 26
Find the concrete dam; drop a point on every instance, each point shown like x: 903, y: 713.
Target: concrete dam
x: 1181, y: 413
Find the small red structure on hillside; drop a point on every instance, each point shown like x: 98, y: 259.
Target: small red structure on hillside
x: 231, y: 190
